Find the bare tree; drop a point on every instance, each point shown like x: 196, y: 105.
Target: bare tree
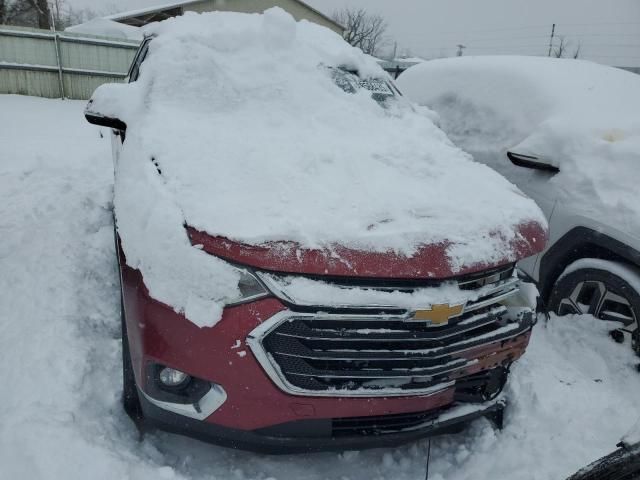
x: 30, y: 13
x: 65, y: 15
x: 13, y: 11
x: 43, y: 14
x: 40, y: 13
x: 562, y: 49
x: 362, y: 29
x: 576, y: 53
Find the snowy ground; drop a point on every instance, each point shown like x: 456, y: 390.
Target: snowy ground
x: 571, y: 397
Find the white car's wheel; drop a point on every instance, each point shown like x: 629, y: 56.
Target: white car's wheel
x: 605, y: 289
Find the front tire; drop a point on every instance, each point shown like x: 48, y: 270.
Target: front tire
x: 606, y: 293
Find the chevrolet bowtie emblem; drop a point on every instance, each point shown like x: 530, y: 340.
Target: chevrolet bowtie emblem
x: 438, y: 314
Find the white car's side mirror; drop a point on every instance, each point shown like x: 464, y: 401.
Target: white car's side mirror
x: 530, y: 161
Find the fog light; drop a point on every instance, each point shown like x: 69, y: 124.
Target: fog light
x: 173, y: 378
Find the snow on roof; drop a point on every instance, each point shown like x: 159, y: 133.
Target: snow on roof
x: 151, y: 9
x: 403, y: 62
x: 182, y: 3
x: 581, y: 116
x: 544, y: 86
x: 237, y: 128
x: 107, y: 28
x: 408, y: 59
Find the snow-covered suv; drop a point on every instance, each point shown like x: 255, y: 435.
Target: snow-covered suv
x: 571, y: 131
x: 307, y: 262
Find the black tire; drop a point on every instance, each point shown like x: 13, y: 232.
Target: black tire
x: 600, y: 293
x: 622, y: 464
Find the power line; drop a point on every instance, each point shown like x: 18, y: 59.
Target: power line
x: 599, y: 23
x: 508, y: 40
x: 603, y: 34
x: 491, y: 30
x: 525, y: 27
x: 612, y: 56
x: 622, y: 45
x: 452, y: 46
x: 465, y: 33
x: 523, y: 37
x: 537, y: 45
x: 557, y: 37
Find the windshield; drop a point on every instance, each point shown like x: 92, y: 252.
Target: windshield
x: 349, y: 81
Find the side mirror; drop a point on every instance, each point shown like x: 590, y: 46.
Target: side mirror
x: 107, y: 106
x: 108, y: 122
x: 529, y: 161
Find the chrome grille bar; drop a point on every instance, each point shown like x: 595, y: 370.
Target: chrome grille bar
x: 470, y: 324
x: 277, y: 285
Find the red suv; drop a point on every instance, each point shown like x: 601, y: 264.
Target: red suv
x: 342, y: 347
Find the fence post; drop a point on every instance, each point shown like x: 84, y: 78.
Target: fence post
x: 56, y: 41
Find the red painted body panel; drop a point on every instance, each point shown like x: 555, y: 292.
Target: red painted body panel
x: 219, y: 354
x: 430, y: 261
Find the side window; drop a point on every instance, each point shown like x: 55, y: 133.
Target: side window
x: 138, y: 59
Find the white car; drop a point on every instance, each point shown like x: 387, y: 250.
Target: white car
x: 567, y: 132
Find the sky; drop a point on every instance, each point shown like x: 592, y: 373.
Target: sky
x: 607, y: 31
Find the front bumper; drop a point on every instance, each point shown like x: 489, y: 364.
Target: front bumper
x: 316, y: 435
x: 256, y: 413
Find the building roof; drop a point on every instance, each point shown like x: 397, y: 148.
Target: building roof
x: 107, y: 28
x: 149, y: 10
x: 158, y: 10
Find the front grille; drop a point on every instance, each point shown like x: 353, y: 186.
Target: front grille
x: 320, y: 353
x: 372, y: 354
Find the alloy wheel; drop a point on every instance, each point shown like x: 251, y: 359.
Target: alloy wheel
x: 600, y: 300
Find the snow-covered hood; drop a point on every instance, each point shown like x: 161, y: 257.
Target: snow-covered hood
x: 236, y: 128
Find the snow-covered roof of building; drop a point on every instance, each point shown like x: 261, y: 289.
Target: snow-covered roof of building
x: 169, y: 7
x: 107, y: 28
x: 399, y: 62
x: 151, y: 9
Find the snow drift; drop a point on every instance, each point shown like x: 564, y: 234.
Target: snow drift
x: 60, y: 340
x: 235, y: 127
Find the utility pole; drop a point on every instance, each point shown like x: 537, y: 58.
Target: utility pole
x: 460, y: 48
x: 395, y: 50
x: 553, y: 31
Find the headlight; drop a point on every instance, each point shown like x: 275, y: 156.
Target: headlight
x: 249, y: 288
x: 525, y: 297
